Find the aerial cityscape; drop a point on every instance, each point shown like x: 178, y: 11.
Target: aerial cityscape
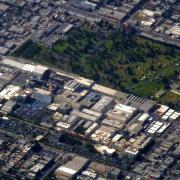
x: 90, y: 89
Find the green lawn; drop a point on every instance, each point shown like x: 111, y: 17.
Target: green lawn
x: 148, y: 88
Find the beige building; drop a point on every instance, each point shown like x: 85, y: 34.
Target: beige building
x: 71, y: 168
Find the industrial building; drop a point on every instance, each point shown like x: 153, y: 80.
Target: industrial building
x: 71, y: 168
x: 103, y: 104
x: 103, y: 134
x: 119, y: 115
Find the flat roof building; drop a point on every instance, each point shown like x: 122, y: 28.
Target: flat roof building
x: 103, y: 104
x: 71, y: 168
x: 175, y: 30
x: 103, y: 134
x: 4, y: 50
x: 9, y: 92
x: 72, y: 85
x: 37, y: 69
x: 119, y: 115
